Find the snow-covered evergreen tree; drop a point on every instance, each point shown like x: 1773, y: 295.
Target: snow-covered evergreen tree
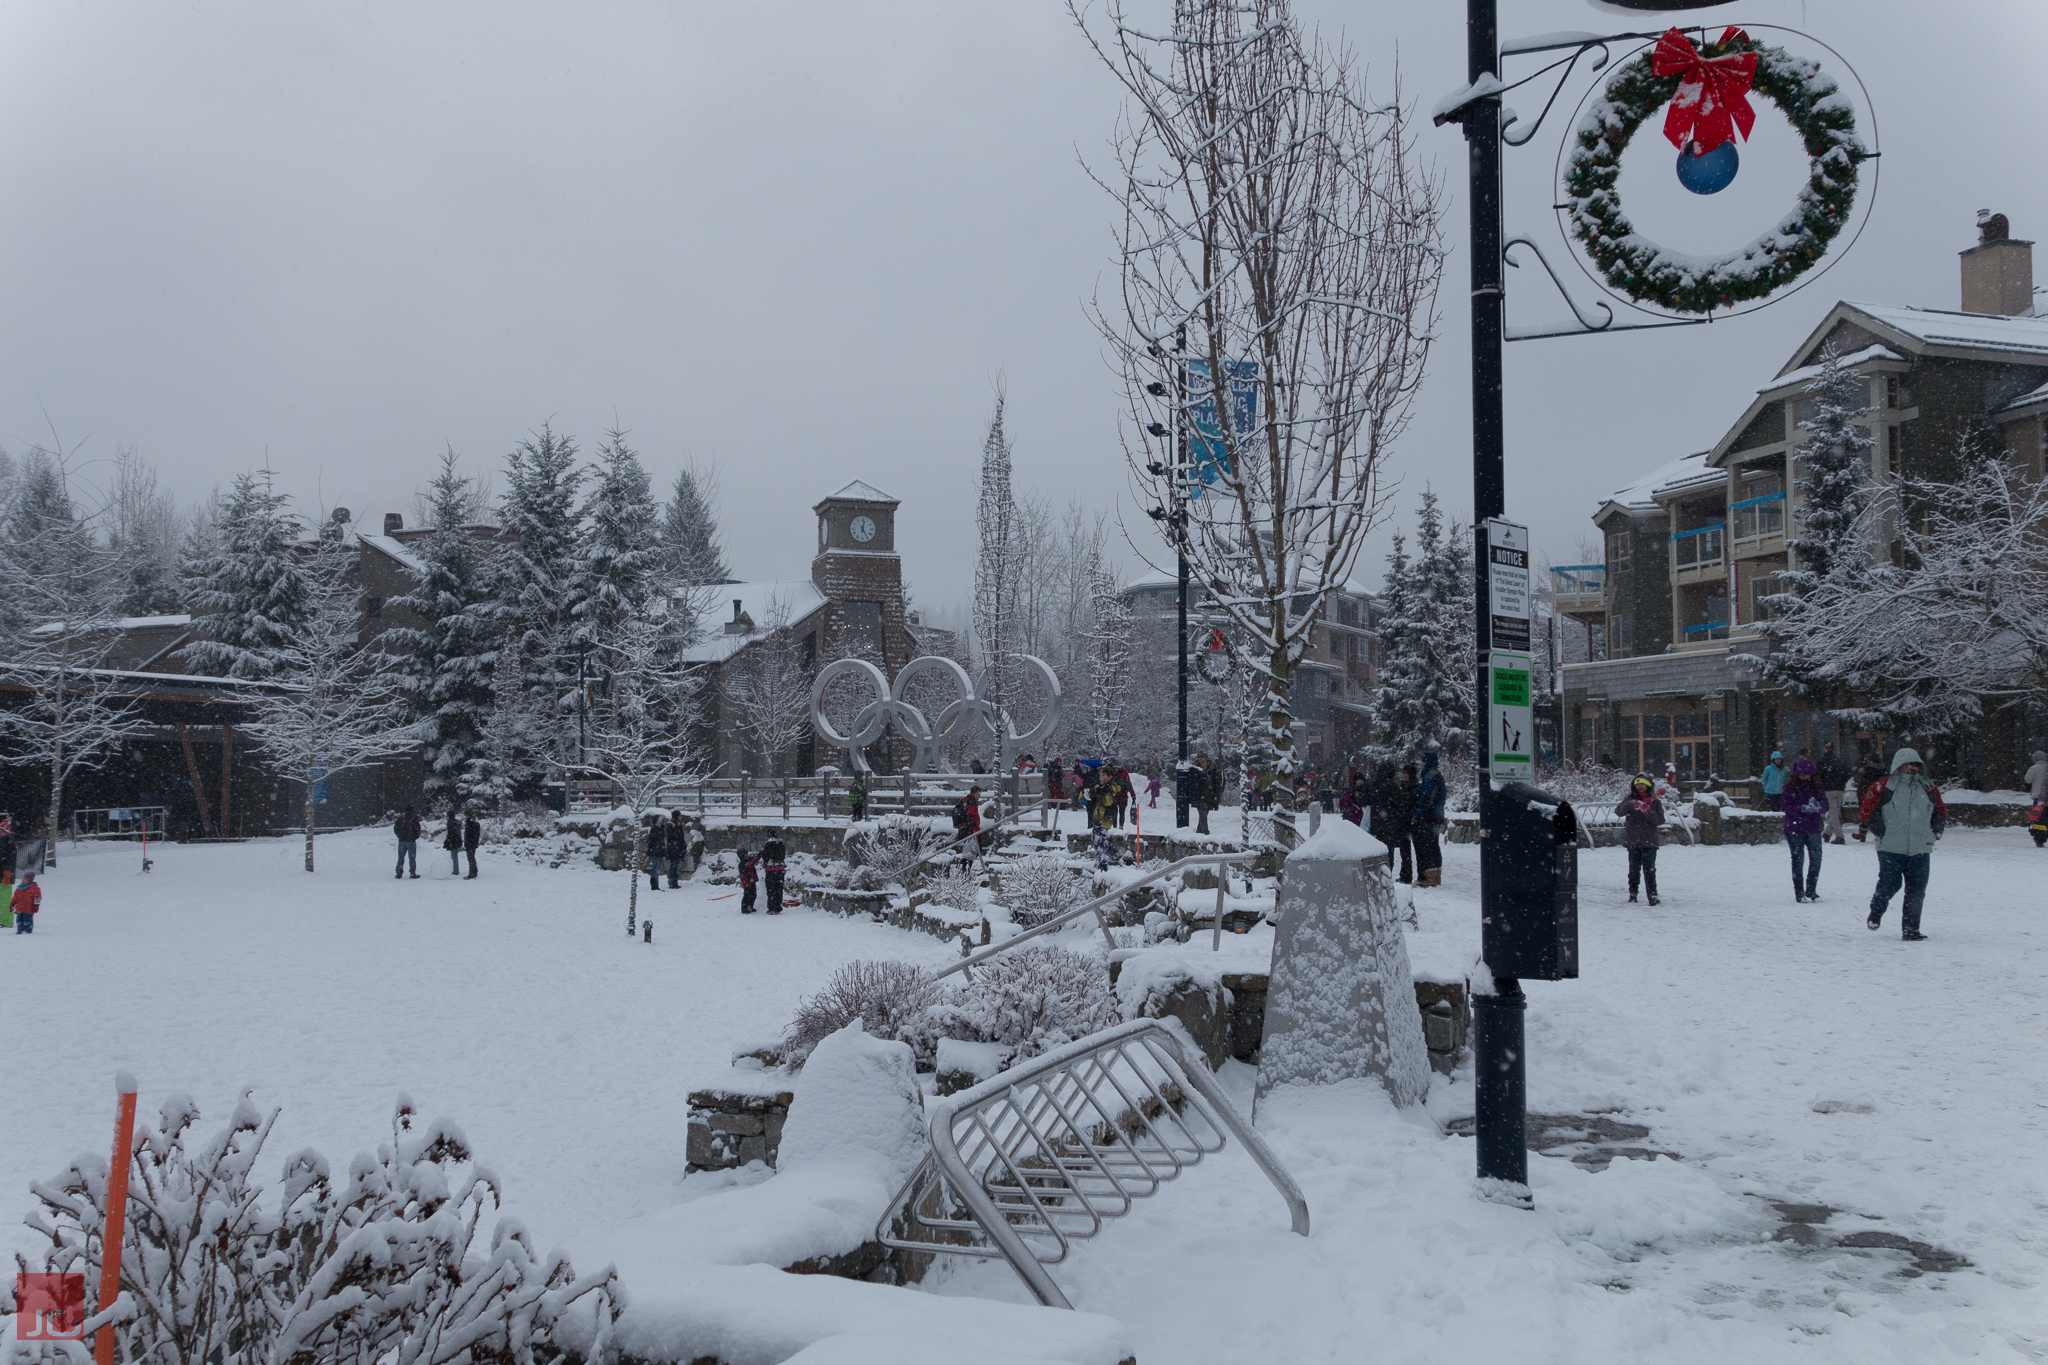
x: 338, y: 710
x: 1830, y: 555
x: 616, y: 554
x: 1399, y: 698
x: 249, y: 596
x: 691, y: 552
x: 1109, y: 663
x: 142, y: 527
x: 995, y: 570
x: 445, y: 666
x: 532, y: 572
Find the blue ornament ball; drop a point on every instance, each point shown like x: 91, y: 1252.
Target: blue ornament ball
x: 1709, y: 172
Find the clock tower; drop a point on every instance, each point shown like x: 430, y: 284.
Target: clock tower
x: 857, y: 570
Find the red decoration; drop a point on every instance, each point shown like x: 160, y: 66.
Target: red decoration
x: 1713, y: 92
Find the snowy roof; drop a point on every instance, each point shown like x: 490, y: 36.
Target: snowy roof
x: 1806, y: 373
x: 1925, y: 327
x: 2027, y: 400
x: 1642, y: 495
x: 862, y: 491
x: 397, y: 551
x: 767, y: 604
x: 126, y: 623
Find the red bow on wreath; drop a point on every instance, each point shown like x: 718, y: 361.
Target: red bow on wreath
x: 1713, y: 92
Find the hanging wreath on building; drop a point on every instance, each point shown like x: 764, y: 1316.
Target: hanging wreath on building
x: 1212, y: 660
x: 1708, y: 94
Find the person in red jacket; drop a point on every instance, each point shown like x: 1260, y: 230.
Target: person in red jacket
x: 749, y: 876
x: 967, y: 820
x: 28, y: 898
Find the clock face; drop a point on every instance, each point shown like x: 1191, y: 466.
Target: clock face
x: 863, y: 529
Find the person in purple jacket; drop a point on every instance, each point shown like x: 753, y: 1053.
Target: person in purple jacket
x: 1641, y: 813
x: 1805, y: 803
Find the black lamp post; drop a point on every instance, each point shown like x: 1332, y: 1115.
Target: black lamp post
x: 1499, y: 1075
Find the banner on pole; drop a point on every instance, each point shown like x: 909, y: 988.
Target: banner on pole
x: 1208, y: 457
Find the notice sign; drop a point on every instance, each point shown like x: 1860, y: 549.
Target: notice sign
x: 1507, y: 577
x: 1511, y: 737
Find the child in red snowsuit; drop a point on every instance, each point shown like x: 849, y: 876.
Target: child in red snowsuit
x: 28, y: 898
x: 749, y: 876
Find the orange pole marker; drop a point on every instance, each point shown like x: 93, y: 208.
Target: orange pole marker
x: 117, y: 1214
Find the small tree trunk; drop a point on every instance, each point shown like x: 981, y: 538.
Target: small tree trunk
x: 1280, y: 707
x: 633, y: 891
x: 309, y: 817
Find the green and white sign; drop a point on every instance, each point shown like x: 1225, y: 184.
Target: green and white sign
x: 1511, y: 723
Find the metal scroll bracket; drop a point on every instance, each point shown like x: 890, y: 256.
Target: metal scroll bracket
x: 1588, y: 324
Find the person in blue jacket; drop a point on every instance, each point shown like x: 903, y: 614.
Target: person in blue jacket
x: 1774, y: 781
x: 1428, y: 823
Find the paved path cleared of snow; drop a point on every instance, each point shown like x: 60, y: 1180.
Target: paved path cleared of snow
x: 1784, y: 1052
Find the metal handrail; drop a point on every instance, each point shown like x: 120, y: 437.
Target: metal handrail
x: 1045, y: 1154
x: 1059, y: 921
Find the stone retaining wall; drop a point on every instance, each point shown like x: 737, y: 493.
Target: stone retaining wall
x: 730, y: 1126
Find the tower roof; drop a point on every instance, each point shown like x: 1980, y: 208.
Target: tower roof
x: 859, y: 491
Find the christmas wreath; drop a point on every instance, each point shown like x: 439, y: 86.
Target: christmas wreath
x: 1212, y: 660
x: 1707, y: 90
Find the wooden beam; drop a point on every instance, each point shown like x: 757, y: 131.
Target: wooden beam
x: 227, y: 752
x: 192, y: 766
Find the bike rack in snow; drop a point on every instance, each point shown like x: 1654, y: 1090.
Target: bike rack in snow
x: 1026, y: 1164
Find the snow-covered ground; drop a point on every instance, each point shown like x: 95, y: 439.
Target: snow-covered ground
x: 1782, y: 1052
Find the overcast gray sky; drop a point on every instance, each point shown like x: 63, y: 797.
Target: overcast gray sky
x: 801, y: 239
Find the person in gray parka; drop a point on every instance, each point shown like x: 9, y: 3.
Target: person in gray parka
x: 1907, y: 815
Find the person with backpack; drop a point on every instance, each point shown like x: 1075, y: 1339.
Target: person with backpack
x: 451, y: 839
x: 1427, y: 823
x: 1641, y: 813
x: 407, y: 828
x: 678, y: 848
x: 857, y: 798
x: 1804, y: 802
x: 1906, y: 813
x: 967, y: 821
x: 1120, y: 792
x: 472, y: 835
x: 773, y: 859
x: 749, y: 876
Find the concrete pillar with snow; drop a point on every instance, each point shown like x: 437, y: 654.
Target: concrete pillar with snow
x: 1341, y: 1005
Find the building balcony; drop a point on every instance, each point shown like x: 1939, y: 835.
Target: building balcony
x: 1579, y: 590
x: 1757, y: 527
x: 1700, y: 555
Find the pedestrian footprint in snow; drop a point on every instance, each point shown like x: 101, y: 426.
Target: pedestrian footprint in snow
x: 1641, y: 813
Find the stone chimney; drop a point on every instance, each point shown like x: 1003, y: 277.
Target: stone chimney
x: 1998, y: 272
x: 741, y: 623
x: 394, y: 523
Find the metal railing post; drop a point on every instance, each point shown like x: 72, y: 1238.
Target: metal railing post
x: 785, y: 798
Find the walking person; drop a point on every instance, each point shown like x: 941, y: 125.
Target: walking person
x: 1641, y: 813
x: 1774, y: 775
x: 451, y: 840
x: 1389, y: 802
x: 1834, y: 782
x: 750, y: 874
x: 2037, y: 777
x: 657, y: 850
x: 1121, y: 793
x: 857, y: 798
x: 407, y: 828
x: 27, y: 901
x: 1208, y: 792
x: 1056, y: 782
x: 472, y: 835
x: 1426, y: 823
x: 1906, y: 813
x: 1804, y: 802
x: 1152, y: 791
x: 773, y: 859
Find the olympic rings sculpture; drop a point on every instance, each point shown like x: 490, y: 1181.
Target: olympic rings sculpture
x: 931, y: 738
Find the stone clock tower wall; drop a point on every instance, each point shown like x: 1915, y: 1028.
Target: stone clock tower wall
x: 862, y: 579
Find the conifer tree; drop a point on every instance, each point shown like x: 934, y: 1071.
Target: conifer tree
x: 691, y: 553
x: 1831, y: 554
x: 532, y: 573
x: 995, y: 569
x: 249, y: 595
x: 615, y: 551
x: 1398, y: 715
x: 446, y: 664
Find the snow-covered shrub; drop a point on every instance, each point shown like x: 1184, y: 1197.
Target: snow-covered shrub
x: 897, y: 844
x: 1033, y: 1000
x: 958, y: 887
x: 848, y: 877
x: 390, y: 1265
x: 1037, y: 888
x: 891, y: 1000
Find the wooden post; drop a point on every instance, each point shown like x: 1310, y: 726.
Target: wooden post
x: 192, y: 765
x: 227, y: 753
x: 743, y: 794
x: 117, y: 1213
x: 785, y: 798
